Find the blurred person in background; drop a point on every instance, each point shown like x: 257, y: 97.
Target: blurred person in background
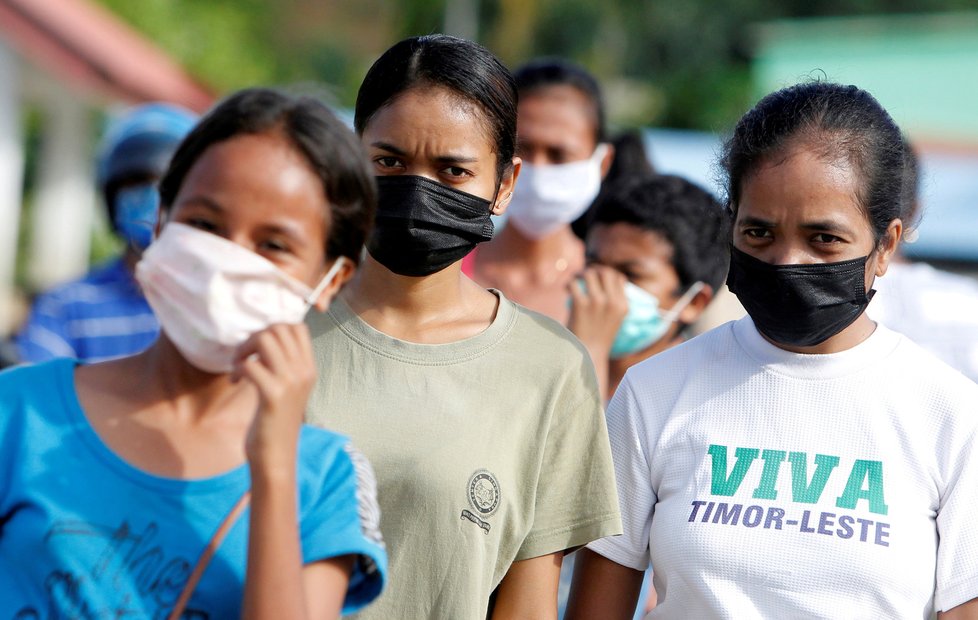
x: 936, y: 309
x: 482, y: 418
x: 180, y: 482
x: 561, y: 141
x: 656, y: 252
x: 103, y: 315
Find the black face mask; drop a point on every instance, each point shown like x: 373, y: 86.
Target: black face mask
x: 423, y: 226
x: 799, y: 305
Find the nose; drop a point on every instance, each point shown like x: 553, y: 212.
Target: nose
x: 787, y: 253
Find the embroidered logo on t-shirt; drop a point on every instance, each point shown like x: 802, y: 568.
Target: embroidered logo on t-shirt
x: 483, y: 493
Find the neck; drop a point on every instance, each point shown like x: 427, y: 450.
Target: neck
x: 511, y: 245
x: 173, y: 379
x: 377, y: 288
x: 440, y: 308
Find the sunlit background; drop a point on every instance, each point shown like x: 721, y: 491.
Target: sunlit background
x: 683, y: 70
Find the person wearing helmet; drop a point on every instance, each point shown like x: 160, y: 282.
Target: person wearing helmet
x: 103, y: 315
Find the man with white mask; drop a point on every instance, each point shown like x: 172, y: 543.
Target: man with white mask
x: 561, y: 137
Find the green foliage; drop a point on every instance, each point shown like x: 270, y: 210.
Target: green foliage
x: 680, y: 63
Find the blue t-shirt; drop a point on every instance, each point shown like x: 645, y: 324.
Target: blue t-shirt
x: 98, y: 317
x: 83, y: 534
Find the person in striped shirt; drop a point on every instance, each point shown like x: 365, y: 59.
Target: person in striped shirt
x: 103, y: 314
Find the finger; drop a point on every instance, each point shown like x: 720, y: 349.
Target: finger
x: 286, y: 343
x: 252, y: 369
x: 268, y: 350
x: 296, y: 342
x: 576, y: 290
x: 615, y: 286
x: 595, y: 288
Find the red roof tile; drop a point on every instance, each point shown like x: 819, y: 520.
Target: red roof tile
x: 86, y: 45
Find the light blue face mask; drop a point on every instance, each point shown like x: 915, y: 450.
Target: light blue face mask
x: 136, y: 212
x: 645, y: 324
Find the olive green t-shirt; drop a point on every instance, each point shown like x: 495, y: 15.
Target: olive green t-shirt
x: 487, y: 451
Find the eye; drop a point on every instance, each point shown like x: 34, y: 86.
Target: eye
x: 388, y: 162
x: 456, y: 172
x: 274, y: 245
x: 757, y: 233
x: 826, y: 238
x: 202, y: 224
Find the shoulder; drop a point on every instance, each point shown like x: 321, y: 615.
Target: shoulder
x: 328, y: 460
x: 319, y: 448
x: 541, y: 335
x: 715, y: 348
x: 914, y: 368
x: 32, y: 378
x: 92, y: 288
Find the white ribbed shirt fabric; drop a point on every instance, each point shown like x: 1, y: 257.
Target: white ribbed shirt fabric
x: 767, y: 484
x: 936, y: 309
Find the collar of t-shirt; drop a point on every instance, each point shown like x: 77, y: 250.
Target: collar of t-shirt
x: 880, y: 344
x: 464, y: 350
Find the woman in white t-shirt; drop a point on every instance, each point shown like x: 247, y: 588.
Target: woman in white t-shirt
x: 803, y: 461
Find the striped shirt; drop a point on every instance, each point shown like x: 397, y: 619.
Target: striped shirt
x: 98, y: 317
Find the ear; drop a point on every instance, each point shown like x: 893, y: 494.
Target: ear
x: 891, y: 241
x: 343, y: 275
x: 691, y: 313
x: 506, y: 187
x: 609, y: 157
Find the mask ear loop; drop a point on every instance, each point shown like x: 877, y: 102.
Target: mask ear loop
x: 326, y: 281
x: 673, y: 313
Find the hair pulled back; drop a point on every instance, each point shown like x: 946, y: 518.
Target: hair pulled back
x: 546, y: 72
x: 838, y: 123
x: 465, y: 68
x: 329, y: 147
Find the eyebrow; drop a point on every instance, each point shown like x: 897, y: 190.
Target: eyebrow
x: 819, y: 225
x: 827, y: 226
x: 755, y: 221
x: 203, y: 201
x: 445, y: 159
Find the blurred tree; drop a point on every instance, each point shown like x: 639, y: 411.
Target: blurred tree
x: 679, y: 63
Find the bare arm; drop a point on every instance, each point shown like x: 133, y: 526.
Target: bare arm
x: 279, y: 363
x: 965, y: 611
x: 529, y: 589
x: 602, y: 588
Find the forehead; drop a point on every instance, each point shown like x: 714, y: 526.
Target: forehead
x: 558, y: 109
x: 434, y: 115
x: 257, y: 175
x: 801, y: 184
x: 621, y: 242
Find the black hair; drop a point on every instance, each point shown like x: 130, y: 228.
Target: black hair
x: 328, y: 146
x: 546, y: 72
x: 463, y: 67
x: 911, y: 184
x: 838, y: 123
x: 684, y: 214
x: 630, y: 162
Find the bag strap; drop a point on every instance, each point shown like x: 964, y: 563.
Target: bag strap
x: 205, y: 557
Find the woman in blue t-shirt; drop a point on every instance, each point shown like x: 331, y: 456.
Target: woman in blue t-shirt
x: 181, y: 482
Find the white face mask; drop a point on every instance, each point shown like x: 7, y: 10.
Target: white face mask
x: 210, y: 294
x: 548, y: 197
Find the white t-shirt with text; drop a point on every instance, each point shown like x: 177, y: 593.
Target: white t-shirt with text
x: 768, y: 484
